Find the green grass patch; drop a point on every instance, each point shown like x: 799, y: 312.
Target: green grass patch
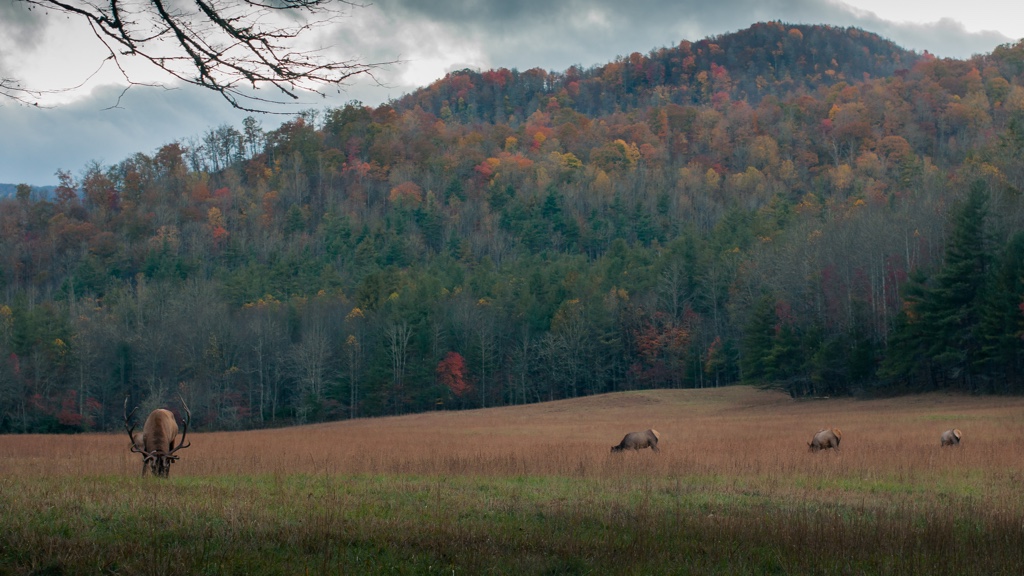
x: 393, y: 524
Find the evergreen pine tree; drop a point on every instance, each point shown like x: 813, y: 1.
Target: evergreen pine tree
x: 758, y: 340
x: 785, y: 360
x: 1002, y: 322
x: 906, y: 358
x: 937, y: 336
x: 954, y: 303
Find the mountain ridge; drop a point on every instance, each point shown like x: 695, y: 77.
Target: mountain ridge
x: 768, y: 58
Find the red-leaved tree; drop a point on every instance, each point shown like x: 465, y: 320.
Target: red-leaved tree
x: 451, y: 371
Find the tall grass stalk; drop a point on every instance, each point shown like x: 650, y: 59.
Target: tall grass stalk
x: 533, y: 490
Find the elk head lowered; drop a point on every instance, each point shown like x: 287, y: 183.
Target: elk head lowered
x: 156, y: 442
x: 639, y: 440
x: 825, y: 439
x: 951, y: 437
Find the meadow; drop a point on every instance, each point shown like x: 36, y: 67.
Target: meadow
x: 535, y: 490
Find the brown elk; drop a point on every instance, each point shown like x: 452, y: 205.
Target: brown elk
x: 638, y: 441
x: 156, y: 441
x: 950, y: 437
x: 825, y: 439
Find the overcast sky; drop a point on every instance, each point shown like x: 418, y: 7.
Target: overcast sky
x: 430, y: 38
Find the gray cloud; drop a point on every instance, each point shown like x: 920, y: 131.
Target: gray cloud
x: 20, y: 29
x: 38, y: 142
x: 945, y: 38
x: 555, y: 35
x: 20, y: 23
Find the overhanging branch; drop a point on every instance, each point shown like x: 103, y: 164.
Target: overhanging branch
x: 232, y: 47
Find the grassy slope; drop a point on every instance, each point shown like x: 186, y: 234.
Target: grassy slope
x: 533, y: 489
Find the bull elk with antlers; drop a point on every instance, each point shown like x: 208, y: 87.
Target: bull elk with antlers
x: 156, y: 441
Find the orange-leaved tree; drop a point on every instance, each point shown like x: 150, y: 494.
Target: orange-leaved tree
x: 451, y: 371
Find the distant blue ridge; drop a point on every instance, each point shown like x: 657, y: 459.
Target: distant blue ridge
x: 38, y: 192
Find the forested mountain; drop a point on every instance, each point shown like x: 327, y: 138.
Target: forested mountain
x: 767, y: 59
x: 805, y: 207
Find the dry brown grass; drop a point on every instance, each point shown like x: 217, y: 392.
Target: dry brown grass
x: 535, y: 489
x: 736, y: 432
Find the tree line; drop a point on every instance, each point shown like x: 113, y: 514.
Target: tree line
x: 851, y: 236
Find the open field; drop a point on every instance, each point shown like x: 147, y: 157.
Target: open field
x: 534, y: 490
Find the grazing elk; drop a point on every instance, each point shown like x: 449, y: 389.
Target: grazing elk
x: 825, y: 439
x: 156, y: 441
x: 638, y: 441
x: 950, y: 437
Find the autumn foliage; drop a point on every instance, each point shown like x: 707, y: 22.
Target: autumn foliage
x: 806, y: 207
x: 451, y: 372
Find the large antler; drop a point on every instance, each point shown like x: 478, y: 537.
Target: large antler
x: 131, y: 429
x: 184, y: 431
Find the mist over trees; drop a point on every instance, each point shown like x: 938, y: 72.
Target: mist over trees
x: 804, y: 207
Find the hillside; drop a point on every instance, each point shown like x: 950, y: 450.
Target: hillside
x: 838, y: 218
x: 767, y: 59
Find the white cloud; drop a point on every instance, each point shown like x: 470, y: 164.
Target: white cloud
x: 1005, y: 18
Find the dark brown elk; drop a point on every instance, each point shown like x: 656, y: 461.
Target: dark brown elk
x: 950, y: 437
x: 156, y: 441
x: 825, y: 439
x: 639, y: 441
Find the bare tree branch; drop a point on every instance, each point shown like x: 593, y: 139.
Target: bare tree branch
x: 232, y: 47
x: 12, y: 88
